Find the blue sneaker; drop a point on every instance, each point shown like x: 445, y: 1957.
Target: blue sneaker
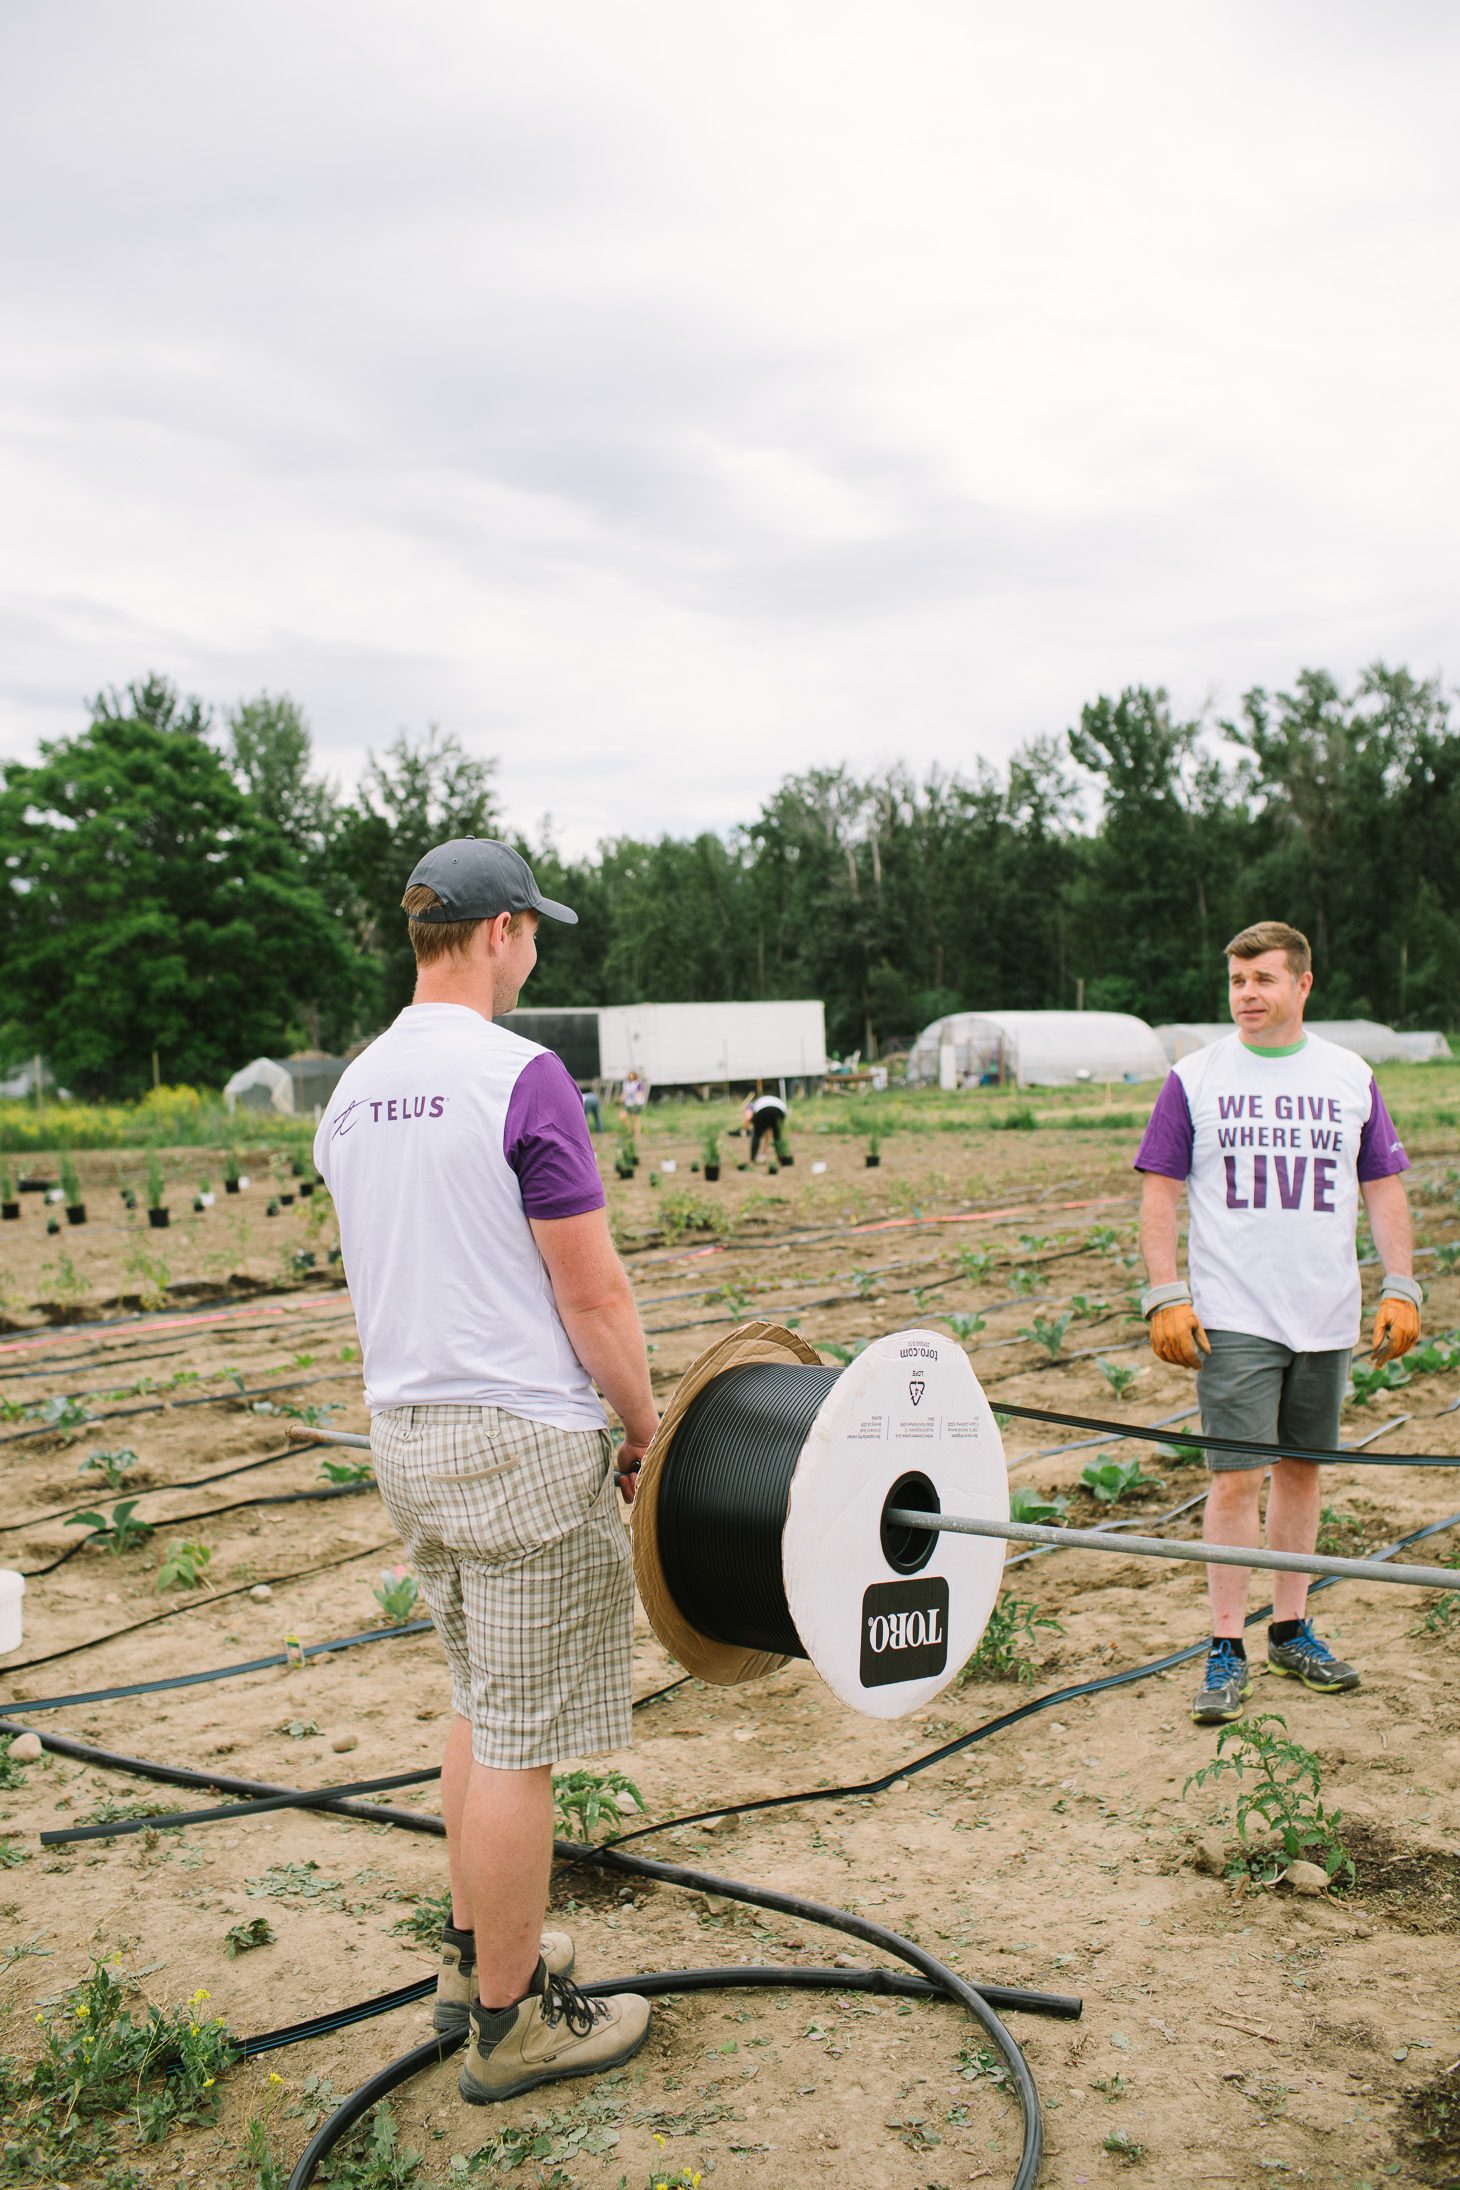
x: 1225, y: 1687
x: 1310, y: 1661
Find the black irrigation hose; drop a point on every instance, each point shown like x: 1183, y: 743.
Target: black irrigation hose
x: 200, y: 1604
x: 180, y: 1520
x: 222, y: 1672
x: 941, y: 1979
x: 289, y: 1798
x: 151, y: 1490
x: 1257, y: 1447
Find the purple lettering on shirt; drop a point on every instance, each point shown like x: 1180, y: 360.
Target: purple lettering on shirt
x: 1323, y: 1170
x: 1231, y: 1106
x: 1290, y: 1189
x: 1335, y: 1110
x: 438, y: 1104
x: 1234, y: 1200
x: 1259, y: 1182
x: 418, y: 1107
x: 375, y: 1110
x: 1167, y: 1142
x: 1381, y: 1152
x: 545, y: 1140
x: 390, y: 1110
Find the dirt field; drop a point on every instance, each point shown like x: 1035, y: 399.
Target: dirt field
x: 1232, y: 2033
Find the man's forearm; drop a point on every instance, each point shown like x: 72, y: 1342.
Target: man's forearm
x: 1158, y: 1235
x: 609, y: 1341
x: 1387, y: 1205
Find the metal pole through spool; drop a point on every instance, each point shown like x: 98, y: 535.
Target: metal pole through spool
x: 1155, y: 1547
x: 297, y: 1434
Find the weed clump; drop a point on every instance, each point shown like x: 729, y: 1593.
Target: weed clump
x: 1000, y: 1656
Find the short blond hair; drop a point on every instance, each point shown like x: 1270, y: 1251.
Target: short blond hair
x: 1273, y: 935
x: 435, y: 939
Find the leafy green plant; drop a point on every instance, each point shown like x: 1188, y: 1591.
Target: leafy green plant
x: 729, y: 1295
x: 102, y: 2063
x: 346, y: 1471
x: 70, y: 1183
x: 1366, y: 1384
x: 1434, y: 1357
x: 974, y: 1263
x: 1447, y: 1258
x: 1121, y: 2145
x: 1109, y: 1481
x: 11, y: 1773
x: 1119, y: 1375
x: 243, y: 1938
x: 1024, y: 1281
x: 1000, y: 1656
x: 681, y: 1212
x: 425, y: 1920
x: 372, y: 2157
x: 186, y: 1565
x: 584, y: 1800
x: 1279, y: 1782
x: 1026, y: 1504
x: 1180, y: 1454
x: 1442, y: 1617
x: 965, y: 1327
x: 875, y: 1133
x: 119, y: 1530
x: 155, y: 1182
x: 710, y: 1147
x: 1101, y: 1240
x: 396, y: 1594
x: 1087, y: 1310
x: 60, y: 1412
x: 112, y: 1467
x: 1020, y: 1120
x: 844, y: 1354
x: 1047, y: 1332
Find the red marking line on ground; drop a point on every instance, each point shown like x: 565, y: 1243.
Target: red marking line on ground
x: 75, y: 1331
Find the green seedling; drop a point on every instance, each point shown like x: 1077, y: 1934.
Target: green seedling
x: 582, y: 1801
x: 974, y: 1263
x: 243, y: 1938
x: 70, y: 1183
x: 1101, y: 1240
x: 186, y: 1565
x: 844, y: 1354
x: 11, y: 1773
x: 965, y: 1327
x: 1030, y: 1505
x: 346, y: 1471
x: 156, y: 1185
x: 1442, y: 1617
x: 1279, y: 1782
x: 1048, y: 1332
x: 1366, y: 1384
x: 1034, y: 1243
x: 396, y: 1594
x: 297, y: 1729
x: 1447, y: 1258
x: 60, y: 1413
x: 1088, y: 1310
x: 1434, y: 1358
x: 1024, y: 1281
x: 1180, y: 1454
x: 349, y: 1353
x: 730, y: 1295
x: 272, y: 1206
x: 1119, y: 1375
x: 119, y: 1530
x: 112, y: 1467
x: 999, y: 1656
x: 865, y: 1283
x: 1121, y: 2145
x: 425, y: 1920
x: 1110, y: 1481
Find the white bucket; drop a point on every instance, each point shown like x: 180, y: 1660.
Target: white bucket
x: 12, y: 1590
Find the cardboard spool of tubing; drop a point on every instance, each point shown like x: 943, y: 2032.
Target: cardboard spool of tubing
x: 758, y: 1521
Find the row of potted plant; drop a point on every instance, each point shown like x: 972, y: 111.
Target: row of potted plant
x: 159, y: 1215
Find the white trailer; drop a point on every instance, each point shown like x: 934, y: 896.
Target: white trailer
x: 695, y: 1045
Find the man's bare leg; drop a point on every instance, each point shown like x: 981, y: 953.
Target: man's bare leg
x: 1293, y: 1507
x: 1232, y: 1517
x: 456, y: 1766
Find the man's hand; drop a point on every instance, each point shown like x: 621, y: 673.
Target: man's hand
x: 1177, y: 1335
x: 626, y: 1467
x: 1396, y: 1329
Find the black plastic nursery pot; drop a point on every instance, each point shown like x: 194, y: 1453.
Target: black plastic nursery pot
x: 76, y: 1212
x: 873, y: 1162
x: 286, y: 1201
x: 9, y: 1210
x: 230, y: 1186
x: 786, y: 1162
x: 711, y: 1172
x: 159, y: 1219
x: 306, y: 1188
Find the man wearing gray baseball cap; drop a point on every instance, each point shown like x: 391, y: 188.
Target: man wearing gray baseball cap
x: 490, y: 1302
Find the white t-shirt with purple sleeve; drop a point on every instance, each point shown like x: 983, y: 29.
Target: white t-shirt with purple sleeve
x: 440, y: 1143
x: 1273, y: 1147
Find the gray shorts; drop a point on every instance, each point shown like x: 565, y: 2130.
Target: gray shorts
x: 1252, y: 1387
x: 514, y: 1531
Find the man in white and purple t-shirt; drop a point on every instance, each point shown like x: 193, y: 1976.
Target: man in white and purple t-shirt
x: 490, y: 1301
x: 1275, y: 1134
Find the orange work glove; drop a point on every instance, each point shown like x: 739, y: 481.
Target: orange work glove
x: 1177, y: 1335
x: 1396, y: 1329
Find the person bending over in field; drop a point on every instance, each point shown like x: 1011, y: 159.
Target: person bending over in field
x: 489, y: 1301
x: 1275, y: 1134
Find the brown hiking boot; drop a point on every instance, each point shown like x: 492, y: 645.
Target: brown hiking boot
x: 456, y: 1980
x: 554, y: 2032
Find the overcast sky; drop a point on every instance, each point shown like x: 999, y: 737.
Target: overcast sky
x: 665, y: 395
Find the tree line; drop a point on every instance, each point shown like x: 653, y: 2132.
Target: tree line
x: 193, y: 886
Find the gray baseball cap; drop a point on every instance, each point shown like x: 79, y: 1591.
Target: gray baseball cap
x: 476, y: 878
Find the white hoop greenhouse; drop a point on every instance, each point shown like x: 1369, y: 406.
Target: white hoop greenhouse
x: 1035, y: 1049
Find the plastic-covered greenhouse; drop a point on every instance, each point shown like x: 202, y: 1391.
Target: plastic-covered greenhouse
x: 1035, y: 1049
x: 292, y: 1086
x: 1376, y: 1044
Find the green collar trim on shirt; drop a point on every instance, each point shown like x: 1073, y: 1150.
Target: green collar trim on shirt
x: 1288, y: 1049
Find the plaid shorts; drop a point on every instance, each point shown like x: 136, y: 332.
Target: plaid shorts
x: 513, y: 1529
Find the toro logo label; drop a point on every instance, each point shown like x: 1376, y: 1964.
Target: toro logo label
x: 904, y: 1631
x: 915, y: 1389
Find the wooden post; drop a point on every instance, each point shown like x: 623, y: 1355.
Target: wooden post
x: 156, y: 1074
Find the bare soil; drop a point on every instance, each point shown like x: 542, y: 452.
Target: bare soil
x: 1231, y: 2034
